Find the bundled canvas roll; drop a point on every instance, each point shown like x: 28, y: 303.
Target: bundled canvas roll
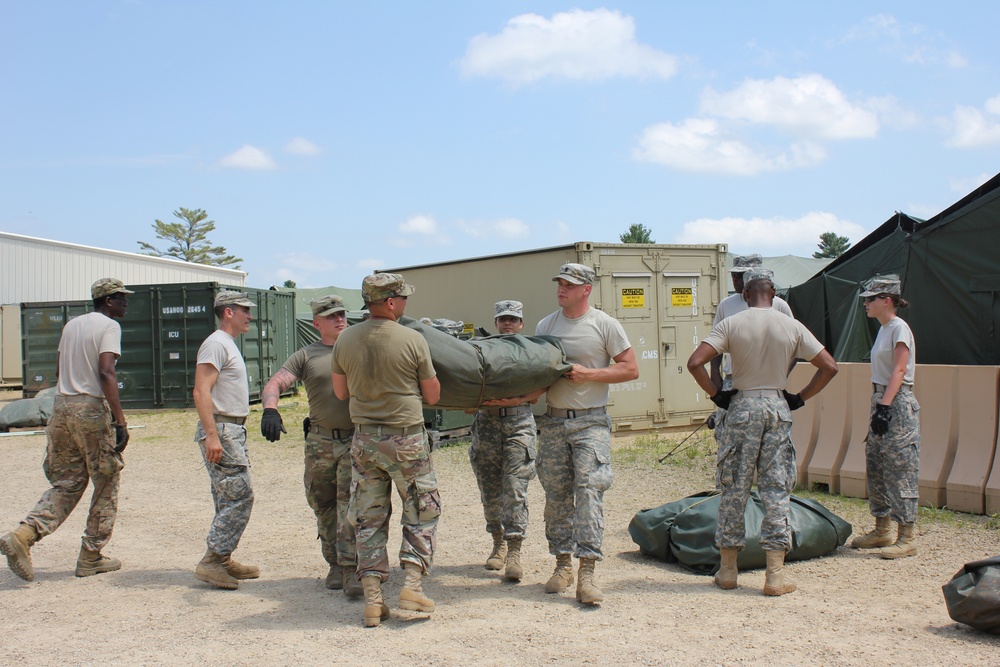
x: 473, y: 371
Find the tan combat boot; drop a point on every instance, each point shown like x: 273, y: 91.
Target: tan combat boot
x: 775, y: 581
x: 335, y: 578
x: 238, y: 570
x: 725, y: 578
x: 375, y: 609
x: 211, y: 571
x: 513, y: 570
x: 16, y: 545
x: 879, y: 537
x: 906, y: 543
x: 562, y: 577
x: 92, y: 562
x: 411, y: 596
x: 587, y: 591
x: 352, y: 587
x: 497, y: 557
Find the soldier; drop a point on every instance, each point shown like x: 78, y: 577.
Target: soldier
x: 222, y: 398
x: 385, y: 370
x: 574, y: 453
x: 328, y: 432
x: 86, y: 437
x: 757, y: 437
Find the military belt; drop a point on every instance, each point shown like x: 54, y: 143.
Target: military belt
x: 506, y: 412
x: 335, y: 433
x: 758, y: 393
x: 376, y: 429
x: 572, y: 414
x: 903, y: 388
x: 227, y: 419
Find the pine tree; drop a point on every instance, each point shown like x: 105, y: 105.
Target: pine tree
x: 831, y: 245
x: 190, y: 240
x: 637, y: 234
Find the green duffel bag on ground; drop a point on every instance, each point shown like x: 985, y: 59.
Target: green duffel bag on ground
x: 684, y: 532
x: 973, y: 595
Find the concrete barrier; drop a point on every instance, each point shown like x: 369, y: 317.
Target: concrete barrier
x: 853, y: 471
x: 833, y: 434
x: 936, y: 391
x: 975, y: 450
x: 805, y: 421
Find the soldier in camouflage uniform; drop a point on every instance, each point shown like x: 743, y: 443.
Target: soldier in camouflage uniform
x: 757, y: 431
x: 574, y: 451
x: 385, y: 370
x: 86, y: 437
x: 503, y: 458
x: 222, y: 398
x: 328, y: 432
x: 892, y: 451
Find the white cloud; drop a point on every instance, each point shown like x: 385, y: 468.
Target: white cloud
x: 503, y: 229
x: 300, y: 146
x: 911, y: 43
x: 423, y: 228
x: 701, y: 144
x: 419, y: 224
x: 810, y: 106
x: 307, y: 262
x: 770, y: 236
x: 972, y: 128
x: 576, y: 45
x: 248, y: 157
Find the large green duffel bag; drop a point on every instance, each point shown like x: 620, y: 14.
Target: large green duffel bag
x: 473, y: 371
x: 684, y: 532
x: 973, y: 595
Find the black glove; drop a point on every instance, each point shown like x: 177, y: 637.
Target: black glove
x: 881, y: 419
x: 271, y: 426
x: 710, y: 422
x: 306, y: 423
x: 722, y: 397
x: 121, y: 437
x: 794, y: 400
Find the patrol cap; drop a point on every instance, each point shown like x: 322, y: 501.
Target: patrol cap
x: 381, y: 286
x: 758, y: 273
x: 877, y: 286
x: 327, y: 304
x: 509, y: 308
x: 107, y: 287
x: 578, y: 274
x: 742, y: 263
x: 230, y: 298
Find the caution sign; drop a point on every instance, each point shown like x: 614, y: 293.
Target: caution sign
x: 681, y: 296
x: 633, y: 297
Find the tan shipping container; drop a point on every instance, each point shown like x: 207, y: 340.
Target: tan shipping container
x: 664, y: 295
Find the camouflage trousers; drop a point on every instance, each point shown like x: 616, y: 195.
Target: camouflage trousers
x: 381, y: 461
x: 892, y: 460
x: 327, y: 481
x: 232, y: 488
x: 503, y: 459
x: 81, y: 447
x: 574, y: 467
x: 756, y: 438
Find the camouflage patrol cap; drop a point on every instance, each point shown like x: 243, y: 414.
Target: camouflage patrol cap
x: 742, y: 263
x: 877, y: 286
x: 578, y: 274
x: 381, y: 286
x: 758, y: 273
x: 327, y: 304
x: 107, y: 287
x: 509, y: 308
x: 230, y: 298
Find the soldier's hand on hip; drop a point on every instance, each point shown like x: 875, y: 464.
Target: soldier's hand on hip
x: 723, y: 397
x: 271, y: 425
x: 794, y: 400
x: 881, y: 419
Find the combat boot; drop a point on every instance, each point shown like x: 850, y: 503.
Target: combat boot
x: 352, y: 587
x: 879, y: 537
x: 906, y: 543
x: 335, y: 578
x: 587, y: 591
x: 411, y: 596
x: 725, y: 578
x: 513, y: 570
x: 775, y: 581
x: 375, y: 609
x: 562, y: 577
x: 92, y: 562
x: 211, y: 571
x: 16, y: 545
x: 496, y: 558
x: 238, y: 570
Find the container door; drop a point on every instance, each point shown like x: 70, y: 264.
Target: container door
x: 41, y: 329
x: 685, y: 318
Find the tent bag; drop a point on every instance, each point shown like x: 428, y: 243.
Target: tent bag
x: 973, y: 595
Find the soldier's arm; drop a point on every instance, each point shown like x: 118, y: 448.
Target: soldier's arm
x: 340, y: 387
x: 696, y: 367
x: 205, y: 376
x: 279, y: 382
x: 109, y: 384
x: 624, y: 369
x: 826, y: 368
x: 430, y: 390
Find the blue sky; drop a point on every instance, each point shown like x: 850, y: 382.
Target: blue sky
x: 327, y: 139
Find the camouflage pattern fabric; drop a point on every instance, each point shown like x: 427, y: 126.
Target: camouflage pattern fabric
x: 381, y: 461
x: 756, y: 437
x: 327, y: 480
x: 232, y: 488
x: 893, y: 460
x: 81, y: 446
x: 503, y: 459
x: 720, y: 426
x: 574, y: 467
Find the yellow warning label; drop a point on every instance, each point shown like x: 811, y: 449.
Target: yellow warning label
x: 633, y: 297
x: 681, y: 296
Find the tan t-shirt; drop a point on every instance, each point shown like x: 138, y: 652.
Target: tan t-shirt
x: 762, y: 342
x: 384, y: 363
x: 734, y: 303
x: 83, y: 340
x: 231, y: 392
x: 312, y: 365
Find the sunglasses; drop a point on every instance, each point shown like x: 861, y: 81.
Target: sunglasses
x: 869, y: 299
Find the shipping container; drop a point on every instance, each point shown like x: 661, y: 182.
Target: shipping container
x: 665, y: 296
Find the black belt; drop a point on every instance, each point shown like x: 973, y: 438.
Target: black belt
x: 902, y: 388
x: 572, y: 414
x: 376, y: 429
x: 335, y: 433
x: 506, y: 412
x: 226, y: 419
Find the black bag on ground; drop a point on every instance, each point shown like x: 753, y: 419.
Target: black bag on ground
x: 973, y: 595
x: 683, y: 532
